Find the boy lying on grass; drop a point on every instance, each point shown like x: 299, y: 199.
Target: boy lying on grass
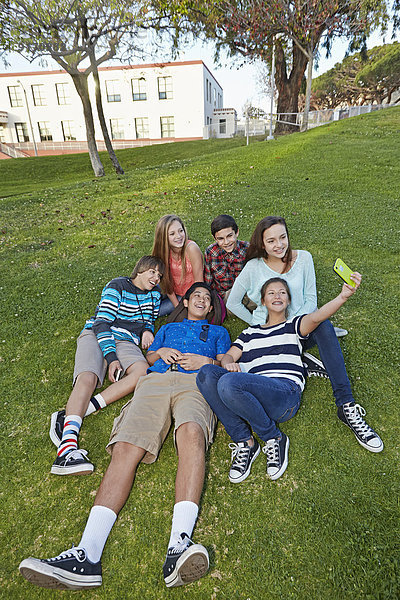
x: 124, y: 318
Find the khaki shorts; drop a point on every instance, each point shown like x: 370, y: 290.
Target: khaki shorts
x: 160, y: 397
x: 89, y: 357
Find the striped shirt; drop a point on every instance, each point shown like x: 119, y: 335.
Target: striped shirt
x: 273, y: 351
x: 123, y: 313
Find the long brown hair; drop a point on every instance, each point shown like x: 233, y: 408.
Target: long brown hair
x: 256, y: 248
x: 162, y: 251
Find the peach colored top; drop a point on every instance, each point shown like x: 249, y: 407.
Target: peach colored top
x: 175, y: 267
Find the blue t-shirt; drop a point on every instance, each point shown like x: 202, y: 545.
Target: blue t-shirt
x: 196, y: 337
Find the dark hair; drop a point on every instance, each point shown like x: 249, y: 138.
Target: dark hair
x: 222, y: 222
x: 198, y: 284
x: 276, y: 280
x: 148, y: 262
x: 256, y: 248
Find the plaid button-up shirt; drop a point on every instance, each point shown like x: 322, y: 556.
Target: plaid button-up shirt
x: 221, y: 268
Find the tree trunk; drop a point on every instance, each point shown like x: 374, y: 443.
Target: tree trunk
x: 103, y: 124
x: 81, y: 85
x: 288, y: 87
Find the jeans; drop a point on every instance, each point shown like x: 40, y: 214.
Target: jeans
x: 245, y: 402
x: 166, y: 306
x: 331, y: 355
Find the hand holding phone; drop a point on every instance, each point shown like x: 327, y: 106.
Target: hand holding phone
x: 344, y: 272
x: 118, y: 375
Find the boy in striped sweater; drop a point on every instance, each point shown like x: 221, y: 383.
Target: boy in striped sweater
x: 123, y: 320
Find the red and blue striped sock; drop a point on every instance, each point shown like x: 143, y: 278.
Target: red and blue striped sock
x: 69, y: 440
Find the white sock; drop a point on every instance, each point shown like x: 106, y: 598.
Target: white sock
x: 99, y: 524
x: 95, y: 403
x: 183, y: 520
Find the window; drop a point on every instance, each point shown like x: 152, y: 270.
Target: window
x: 113, y: 91
x: 44, y: 131
x: 164, y: 88
x: 14, y: 92
x: 142, y: 127
x: 167, y: 127
x: 215, y: 98
x: 63, y: 95
x: 206, y: 90
x: 139, y: 89
x: 2, y: 133
x: 117, y: 129
x: 222, y: 125
x: 39, y: 98
x: 68, y: 131
x: 22, y: 132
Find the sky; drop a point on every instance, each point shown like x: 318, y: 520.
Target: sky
x: 238, y: 80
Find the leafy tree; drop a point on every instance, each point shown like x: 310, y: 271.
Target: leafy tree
x: 382, y: 73
x: 81, y: 32
x: 359, y: 79
x: 296, y: 29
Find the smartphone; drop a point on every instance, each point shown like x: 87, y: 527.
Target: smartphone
x: 118, y: 375
x: 343, y: 271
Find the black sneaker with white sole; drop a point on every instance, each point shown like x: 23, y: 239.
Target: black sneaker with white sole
x: 185, y: 562
x: 313, y: 366
x: 72, y: 463
x: 242, y: 458
x: 276, y: 450
x: 71, y: 570
x: 352, y: 415
x: 57, y: 426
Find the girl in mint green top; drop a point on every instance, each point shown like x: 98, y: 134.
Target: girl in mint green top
x: 300, y: 278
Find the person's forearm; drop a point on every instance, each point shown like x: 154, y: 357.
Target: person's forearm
x: 226, y: 359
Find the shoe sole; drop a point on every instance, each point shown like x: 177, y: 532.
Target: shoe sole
x: 245, y: 475
x: 77, y: 470
x: 363, y: 444
x: 319, y: 363
x: 43, y: 575
x: 52, y: 432
x: 284, y: 465
x: 192, y: 565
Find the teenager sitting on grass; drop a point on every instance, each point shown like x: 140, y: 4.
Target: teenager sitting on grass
x: 124, y: 318
x: 182, y: 258
x: 167, y: 393
x: 225, y: 258
x: 265, y: 380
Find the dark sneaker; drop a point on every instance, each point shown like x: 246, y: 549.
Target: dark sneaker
x: 71, y: 570
x: 313, y: 366
x: 340, y: 332
x: 185, y: 562
x: 242, y: 458
x: 57, y: 426
x: 75, y: 463
x: 276, y: 450
x: 352, y: 415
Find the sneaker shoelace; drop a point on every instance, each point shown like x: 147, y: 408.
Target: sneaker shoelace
x: 355, y: 415
x: 77, y: 553
x: 240, y: 454
x: 78, y: 453
x: 271, y: 450
x: 180, y: 546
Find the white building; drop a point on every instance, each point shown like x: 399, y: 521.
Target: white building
x: 146, y: 103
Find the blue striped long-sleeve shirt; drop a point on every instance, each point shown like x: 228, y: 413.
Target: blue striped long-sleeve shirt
x: 123, y: 313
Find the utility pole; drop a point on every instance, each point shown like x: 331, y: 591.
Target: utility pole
x: 272, y: 88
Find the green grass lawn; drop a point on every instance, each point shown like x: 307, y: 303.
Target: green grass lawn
x: 328, y: 529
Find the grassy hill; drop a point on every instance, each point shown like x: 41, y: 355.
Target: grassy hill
x: 328, y: 528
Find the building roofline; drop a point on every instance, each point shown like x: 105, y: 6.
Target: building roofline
x: 115, y: 68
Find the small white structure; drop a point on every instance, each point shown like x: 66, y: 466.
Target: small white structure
x: 223, y: 124
x: 146, y: 103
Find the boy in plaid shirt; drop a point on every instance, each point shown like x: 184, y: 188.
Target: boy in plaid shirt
x: 225, y: 258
